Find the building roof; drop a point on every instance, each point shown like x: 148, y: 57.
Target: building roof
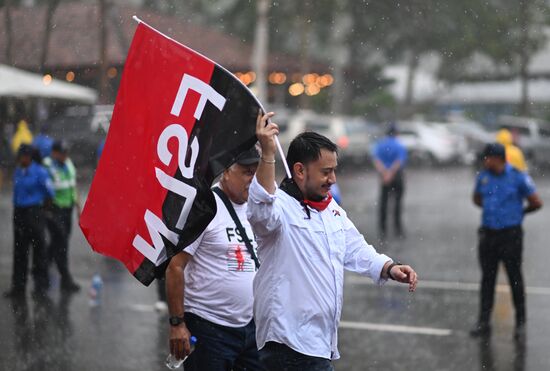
x: 490, y: 92
x: 75, y: 38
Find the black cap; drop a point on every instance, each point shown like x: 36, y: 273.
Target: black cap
x: 249, y: 157
x: 60, y: 146
x: 25, y: 150
x: 494, y: 150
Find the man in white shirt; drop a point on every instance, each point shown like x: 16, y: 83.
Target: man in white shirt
x: 305, y: 241
x: 209, y: 284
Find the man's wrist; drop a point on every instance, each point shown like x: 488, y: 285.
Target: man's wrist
x: 388, y: 270
x: 268, y: 155
x: 176, y: 320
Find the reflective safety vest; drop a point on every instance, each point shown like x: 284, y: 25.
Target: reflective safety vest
x: 64, y: 181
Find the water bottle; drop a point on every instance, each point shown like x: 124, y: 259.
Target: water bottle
x: 172, y: 362
x: 95, y: 290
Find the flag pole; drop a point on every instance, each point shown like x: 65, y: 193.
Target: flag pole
x: 277, y: 143
x: 282, y: 154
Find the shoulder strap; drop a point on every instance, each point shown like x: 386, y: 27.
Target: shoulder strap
x: 237, y: 221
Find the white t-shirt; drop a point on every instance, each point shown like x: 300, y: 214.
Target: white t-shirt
x: 218, y: 279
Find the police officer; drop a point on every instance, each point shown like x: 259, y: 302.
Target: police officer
x: 59, y: 220
x: 390, y: 157
x: 500, y: 191
x: 31, y: 191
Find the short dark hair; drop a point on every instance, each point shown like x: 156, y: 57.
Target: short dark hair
x: 306, y: 148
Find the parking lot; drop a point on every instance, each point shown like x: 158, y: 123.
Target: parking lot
x: 383, y: 328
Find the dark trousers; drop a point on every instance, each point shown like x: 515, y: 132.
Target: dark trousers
x: 504, y: 245
x: 279, y: 357
x: 394, y: 189
x: 221, y: 348
x: 28, y: 231
x: 59, y: 224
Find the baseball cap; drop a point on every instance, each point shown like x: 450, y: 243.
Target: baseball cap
x: 25, y: 150
x: 60, y: 146
x: 248, y: 157
x: 494, y: 150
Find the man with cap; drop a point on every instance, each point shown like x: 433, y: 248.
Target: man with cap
x: 32, y: 189
x: 209, y: 283
x: 59, y: 217
x: 390, y: 157
x: 500, y: 191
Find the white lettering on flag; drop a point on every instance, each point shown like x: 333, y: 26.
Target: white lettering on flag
x: 206, y: 91
x: 165, y: 156
x: 181, y: 188
x: 156, y: 253
x: 156, y: 228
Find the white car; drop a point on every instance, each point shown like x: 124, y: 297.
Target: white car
x: 430, y: 143
x: 475, y: 137
x: 349, y: 133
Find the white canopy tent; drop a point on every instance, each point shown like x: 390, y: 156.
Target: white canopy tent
x: 23, y: 84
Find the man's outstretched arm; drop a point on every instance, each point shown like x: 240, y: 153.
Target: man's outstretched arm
x: 175, y: 285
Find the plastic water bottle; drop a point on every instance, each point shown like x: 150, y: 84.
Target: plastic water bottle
x: 95, y: 290
x: 172, y: 362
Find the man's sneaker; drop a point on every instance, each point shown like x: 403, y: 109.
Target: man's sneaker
x: 480, y: 330
x: 70, y: 287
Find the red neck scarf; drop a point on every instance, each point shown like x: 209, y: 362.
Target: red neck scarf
x: 319, y: 205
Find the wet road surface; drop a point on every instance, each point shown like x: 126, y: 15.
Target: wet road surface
x: 383, y: 328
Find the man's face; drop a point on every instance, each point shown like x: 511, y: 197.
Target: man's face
x: 24, y: 160
x: 59, y: 156
x: 236, y: 181
x: 319, y: 176
x: 494, y: 164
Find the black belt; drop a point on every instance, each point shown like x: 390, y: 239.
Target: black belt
x: 502, y: 230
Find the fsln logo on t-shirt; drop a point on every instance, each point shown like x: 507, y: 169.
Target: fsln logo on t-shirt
x: 238, y: 259
x: 234, y: 235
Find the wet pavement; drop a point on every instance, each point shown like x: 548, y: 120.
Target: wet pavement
x: 383, y: 328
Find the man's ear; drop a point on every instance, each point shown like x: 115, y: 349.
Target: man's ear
x: 298, y: 170
x: 225, y: 174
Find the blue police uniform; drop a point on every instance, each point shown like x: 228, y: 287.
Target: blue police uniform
x: 388, y: 150
x: 32, y: 187
x: 502, y: 197
x: 501, y: 235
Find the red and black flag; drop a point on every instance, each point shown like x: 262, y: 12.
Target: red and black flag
x: 179, y: 121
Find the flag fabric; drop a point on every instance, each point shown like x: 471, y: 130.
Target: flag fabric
x: 179, y: 120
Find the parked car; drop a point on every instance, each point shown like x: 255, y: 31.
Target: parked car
x: 430, y: 143
x: 531, y: 135
x: 475, y: 137
x: 83, y: 128
x: 351, y: 134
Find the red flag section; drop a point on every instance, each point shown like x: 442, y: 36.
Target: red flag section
x: 178, y: 121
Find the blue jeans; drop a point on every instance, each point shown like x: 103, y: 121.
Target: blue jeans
x: 221, y: 348
x: 279, y: 357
